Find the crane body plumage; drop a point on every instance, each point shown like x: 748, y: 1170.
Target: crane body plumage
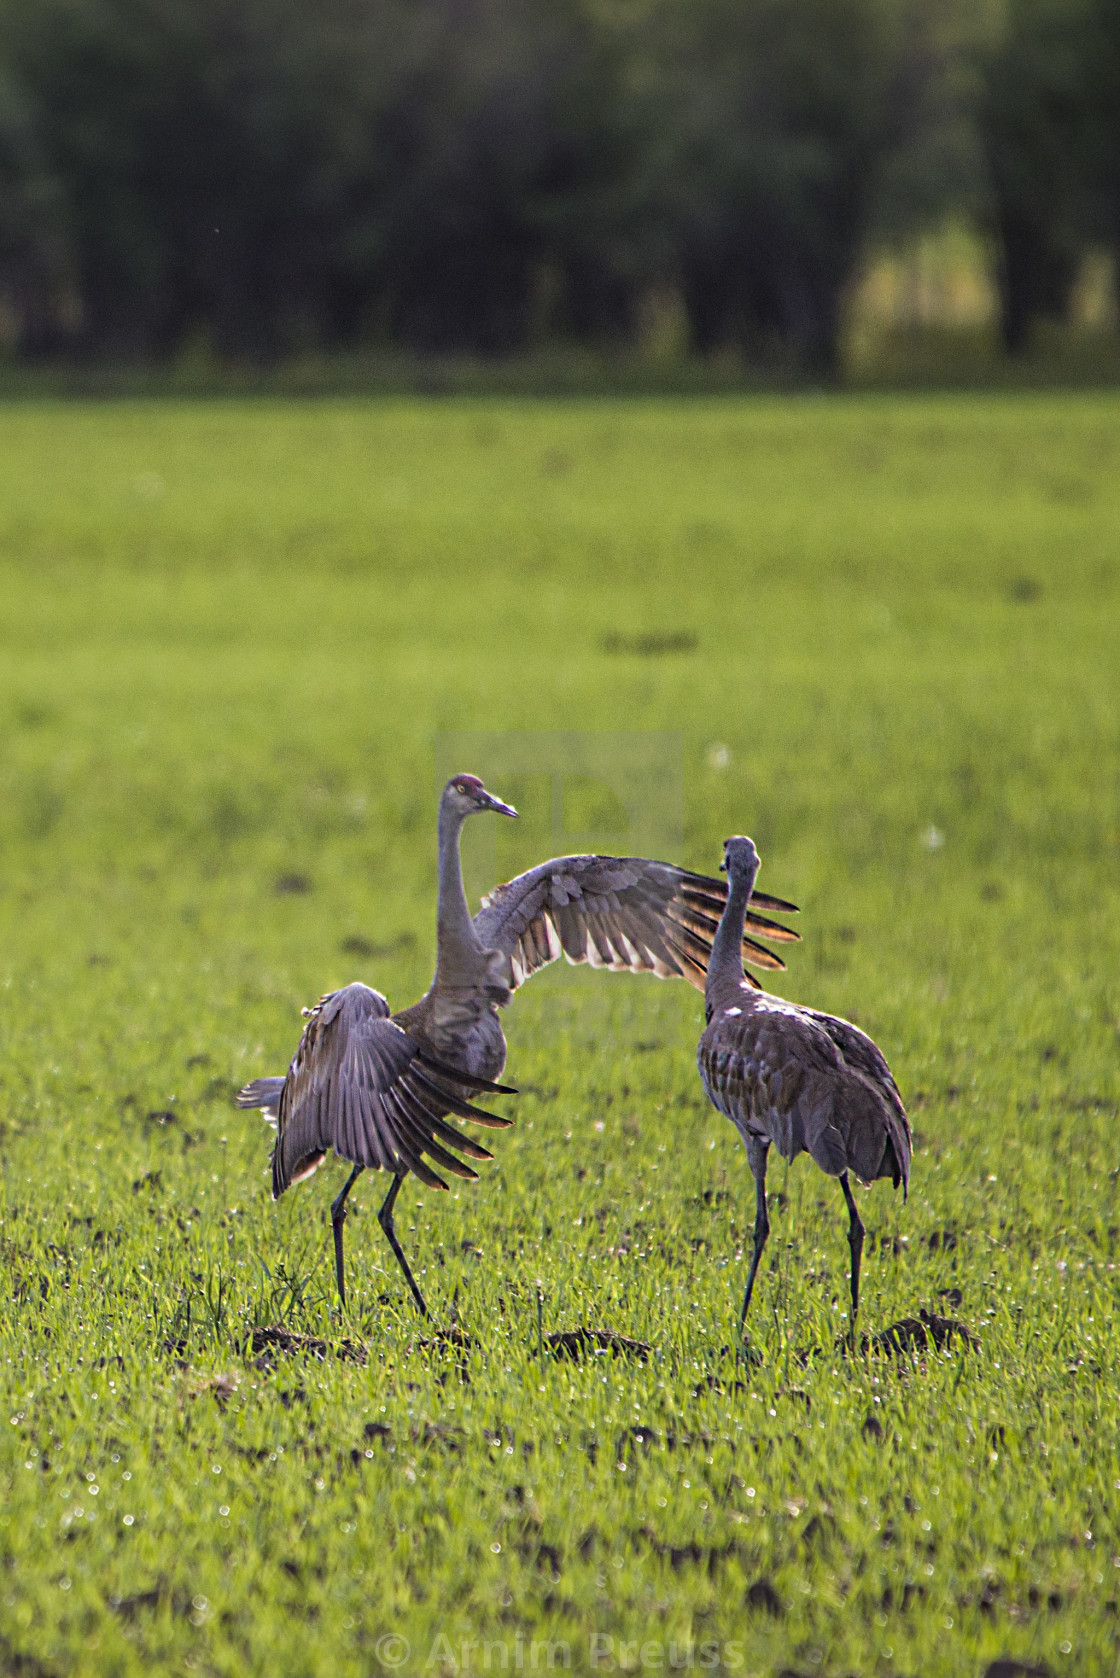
x: 378, y: 1087
x: 795, y: 1079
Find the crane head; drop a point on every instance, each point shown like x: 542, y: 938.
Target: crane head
x: 740, y: 859
x: 466, y: 795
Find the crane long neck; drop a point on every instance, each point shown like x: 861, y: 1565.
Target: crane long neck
x: 725, y: 965
x: 457, y: 946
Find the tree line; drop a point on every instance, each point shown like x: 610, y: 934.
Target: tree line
x: 483, y: 175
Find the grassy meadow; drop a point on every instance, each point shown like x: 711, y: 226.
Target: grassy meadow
x: 885, y: 634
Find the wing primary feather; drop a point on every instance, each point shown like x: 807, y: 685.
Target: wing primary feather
x: 455, y: 1105
x: 773, y: 930
x: 718, y: 890
x: 262, y: 1092
x: 704, y: 914
x: 448, y: 1162
x: 427, y: 1176
x: 763, y: 957
x: 455, y: 1075
x: 776, y: 905
x: 405, y: 1146
x: 447, y: 1132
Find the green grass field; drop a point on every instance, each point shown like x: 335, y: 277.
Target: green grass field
x: 231, y: 638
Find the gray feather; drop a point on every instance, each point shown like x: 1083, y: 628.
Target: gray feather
x: 625, y: 913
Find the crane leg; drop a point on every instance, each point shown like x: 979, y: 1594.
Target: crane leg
x: 855, y: 1242
x: 756, y: 1154
x: 338, y: 1218
x: 385, y: 1219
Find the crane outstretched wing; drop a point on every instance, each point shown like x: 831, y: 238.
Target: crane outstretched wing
x: 360, y: 1085
x: 625, y: 913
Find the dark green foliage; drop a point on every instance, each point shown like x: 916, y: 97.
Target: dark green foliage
x: 783, y: 117
x: 1101, y: 61
x: 282, y: 174
x: 33, y: 245
x: 1032, y: 117
x: 496, y: 162
x: 210, y: 154
x: 257, y: 178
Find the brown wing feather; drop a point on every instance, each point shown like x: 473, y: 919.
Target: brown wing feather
x: 807, y: 1081
x: 628, y: 914
x: 360, y: 1085
x: 864, y: 1056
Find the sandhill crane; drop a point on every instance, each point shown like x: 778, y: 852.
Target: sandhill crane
x: 790, y: 1076
x: 364, y: 1086
x: 377, y: 1087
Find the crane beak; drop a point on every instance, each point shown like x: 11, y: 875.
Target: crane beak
x: 492, y: 803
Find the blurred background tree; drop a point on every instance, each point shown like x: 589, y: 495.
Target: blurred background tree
x: 782, y: 117
x: 35, y: 250
x: 266, y: 177
x: 1099, y: 75
x: 1032, y: 114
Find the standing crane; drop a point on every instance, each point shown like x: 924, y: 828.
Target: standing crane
x: 804, y: 1081
x: 377, y: 1087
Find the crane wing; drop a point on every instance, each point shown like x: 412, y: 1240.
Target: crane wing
x: 864, y: 1056
x: 807, y: 1081
x: 857, y: 1049
x: 628, y: 914
x: 360, y: 1085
